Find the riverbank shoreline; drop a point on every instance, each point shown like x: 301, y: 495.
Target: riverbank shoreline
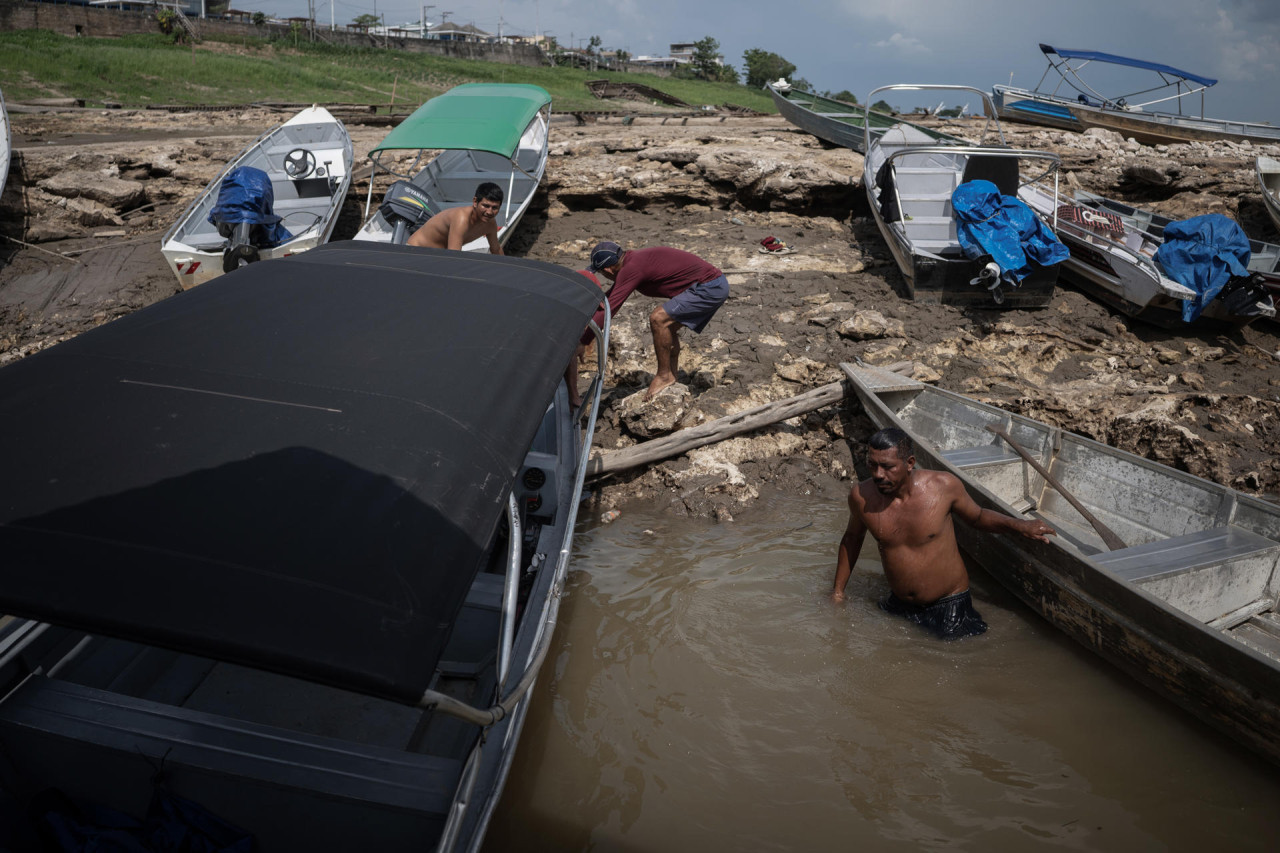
x: 91, y: 217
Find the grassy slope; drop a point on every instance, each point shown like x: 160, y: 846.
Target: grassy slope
x: 150, y: 69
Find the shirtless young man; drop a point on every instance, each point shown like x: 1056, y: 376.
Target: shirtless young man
x: 458, y: 226
x: 909, y: 512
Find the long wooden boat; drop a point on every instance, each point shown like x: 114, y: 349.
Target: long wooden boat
x: 909, y: 177
x: 1268, y: 169
x: 1187, y: 608
x: 307, y: 161
x: 832, y: 121
x: 1113, y: 248
x: 1152, y: 128
x: 267, y: 552
x: 494, y: 132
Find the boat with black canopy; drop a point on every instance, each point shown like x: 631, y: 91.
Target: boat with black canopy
x: 291, y: 545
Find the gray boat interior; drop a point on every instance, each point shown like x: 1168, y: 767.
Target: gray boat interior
x: 300, y: 765
x: 925, y: 182
x: 1202, y: 548
x: 303, y: 202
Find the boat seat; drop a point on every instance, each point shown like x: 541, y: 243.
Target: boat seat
x: 1001, y: 171
x: 77, y: 727
x: 987, y: 454
x: 1183, y: 553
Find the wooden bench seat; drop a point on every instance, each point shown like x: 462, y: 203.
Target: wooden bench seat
x: 987, y: 454
x: 1182, y: 553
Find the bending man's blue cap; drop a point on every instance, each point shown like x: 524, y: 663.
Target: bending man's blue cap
x: 605, y: 254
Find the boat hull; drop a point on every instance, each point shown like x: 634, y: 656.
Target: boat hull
x: 308, y: 207
x: 1199, y: 660
x: 1163, y: 129
x: 1027, y: 107
x: 1269, y: 181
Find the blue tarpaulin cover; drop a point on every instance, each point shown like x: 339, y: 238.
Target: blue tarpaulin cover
x: 1203, y: 253
x: 990, y: 223
x: 246, y: 196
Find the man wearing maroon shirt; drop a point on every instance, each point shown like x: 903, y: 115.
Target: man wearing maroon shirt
x: 693, y: 289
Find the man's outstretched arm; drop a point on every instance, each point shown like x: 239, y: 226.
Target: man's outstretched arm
x: 964, y: 507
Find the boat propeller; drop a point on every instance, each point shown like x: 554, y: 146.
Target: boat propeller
x: 990, y: 279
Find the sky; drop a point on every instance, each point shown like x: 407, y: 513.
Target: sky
x: 859, y: 45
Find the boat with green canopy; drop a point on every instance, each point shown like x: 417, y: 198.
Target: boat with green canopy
x: 483, y: 132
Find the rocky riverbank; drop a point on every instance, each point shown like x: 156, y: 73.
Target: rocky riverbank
x: 90, y: 193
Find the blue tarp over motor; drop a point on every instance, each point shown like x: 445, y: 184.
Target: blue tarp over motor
x: 1203, y: 253
x: 246, y: 196
x: 989, y: 223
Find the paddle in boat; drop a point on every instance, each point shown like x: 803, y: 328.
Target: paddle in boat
x: 1117, y: 257
x: 288, y: 549
x: 281, y: 195
x: 484, y: 132
x: 949, y: 212
x: 1183, y: 599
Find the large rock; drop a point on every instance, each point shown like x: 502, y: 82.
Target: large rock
x: 113, y: 192
x: 659, y: 416
x: 869, y: 324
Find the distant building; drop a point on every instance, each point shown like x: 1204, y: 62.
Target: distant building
x: 460, y: 32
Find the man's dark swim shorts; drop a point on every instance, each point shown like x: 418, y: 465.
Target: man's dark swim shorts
x: 950, y: 617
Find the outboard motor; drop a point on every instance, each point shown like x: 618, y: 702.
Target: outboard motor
x: 243, y: 215
x: 406, y: 208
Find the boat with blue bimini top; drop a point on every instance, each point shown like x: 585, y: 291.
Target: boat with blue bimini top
x: 279, y: 196
x: 1124, y: 114
x: 483, y: 132
x: 1053, y: 107
x: 284, y: 553
x: 949, y: 211
x: 1170, y: 577
x: 1120, y: 255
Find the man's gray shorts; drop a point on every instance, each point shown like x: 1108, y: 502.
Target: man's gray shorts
x: 696, y: 306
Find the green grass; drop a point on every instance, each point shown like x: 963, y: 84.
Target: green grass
x: 143, y: 70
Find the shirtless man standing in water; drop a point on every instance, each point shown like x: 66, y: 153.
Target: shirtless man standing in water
x: 458, y: 226
x: 909, y: 513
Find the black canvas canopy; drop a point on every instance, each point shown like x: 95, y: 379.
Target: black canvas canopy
x: 297, y: 466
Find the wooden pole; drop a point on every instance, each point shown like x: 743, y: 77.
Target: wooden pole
x: 718, y: 430
x: 1109, y: 537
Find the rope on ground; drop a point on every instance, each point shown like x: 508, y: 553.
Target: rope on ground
x: 38, y: 249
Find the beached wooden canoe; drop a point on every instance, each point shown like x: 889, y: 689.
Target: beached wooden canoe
x: 1187, y: 607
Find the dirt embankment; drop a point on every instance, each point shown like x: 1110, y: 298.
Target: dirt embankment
x: 92, y: 192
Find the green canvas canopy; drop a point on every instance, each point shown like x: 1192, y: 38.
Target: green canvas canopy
x: 473, y: 116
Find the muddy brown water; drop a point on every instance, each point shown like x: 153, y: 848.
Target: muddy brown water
x: 703, y: 694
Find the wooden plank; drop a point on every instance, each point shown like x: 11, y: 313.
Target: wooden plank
x: 717, y: 430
